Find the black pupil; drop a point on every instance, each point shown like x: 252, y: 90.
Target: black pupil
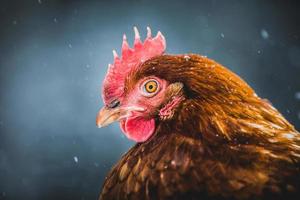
x: 150, y: 87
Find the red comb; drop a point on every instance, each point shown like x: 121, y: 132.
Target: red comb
x: 113, y: 85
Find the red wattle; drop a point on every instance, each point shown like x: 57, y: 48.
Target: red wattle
x: 138, y: 129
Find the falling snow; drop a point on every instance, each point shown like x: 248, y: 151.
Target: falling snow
x: 297, y: 95
x: 187, y: 58
x: 76, y: 159
x: 60, y: 84
x: 264, y: 34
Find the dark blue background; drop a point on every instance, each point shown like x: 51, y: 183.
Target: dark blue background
x: 53, y: 57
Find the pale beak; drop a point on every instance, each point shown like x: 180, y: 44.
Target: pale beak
x: 107, y: 115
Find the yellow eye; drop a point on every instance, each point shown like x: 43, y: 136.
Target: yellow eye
x: 150, y: 87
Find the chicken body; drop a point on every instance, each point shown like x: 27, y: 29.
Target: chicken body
x: 175, y: 166
x: 222, y: 142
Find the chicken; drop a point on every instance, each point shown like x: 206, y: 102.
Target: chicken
x: 201, y: 131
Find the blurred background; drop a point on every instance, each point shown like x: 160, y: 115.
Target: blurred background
x: 54, y: 55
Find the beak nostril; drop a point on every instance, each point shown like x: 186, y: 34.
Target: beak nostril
x: 115, y: 103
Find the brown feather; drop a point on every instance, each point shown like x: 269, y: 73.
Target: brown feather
x: 223, y: 142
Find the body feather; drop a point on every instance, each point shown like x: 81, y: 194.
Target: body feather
x: 223, y: 142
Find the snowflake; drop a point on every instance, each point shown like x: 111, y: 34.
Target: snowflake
x: 264, y: 34
x: 76, y: 159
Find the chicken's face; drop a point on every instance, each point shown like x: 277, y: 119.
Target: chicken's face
x: 148, y: 100
x: 137, y: 104
x: 147, y: 95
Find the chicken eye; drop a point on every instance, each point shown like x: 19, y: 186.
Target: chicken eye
x: 150, y: 87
